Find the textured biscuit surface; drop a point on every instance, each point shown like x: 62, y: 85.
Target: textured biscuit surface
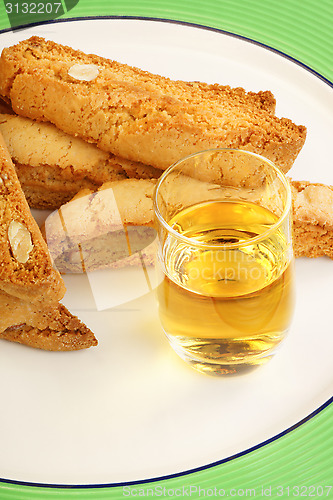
x: 30, y: 288
x: 35, y: 279
x: 313, y: 219
x: 53, y: 166
x: 50, y: 328
x: 140, y: 116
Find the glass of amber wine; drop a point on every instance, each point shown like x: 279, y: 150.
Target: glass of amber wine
x: 226, y: 293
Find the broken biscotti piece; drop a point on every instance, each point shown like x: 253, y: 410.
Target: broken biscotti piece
x: 50, y: 328
x: 108, y: 228
x: 137, y: 115
x: 30, y: 288
x: 313, y: 219
x: 53, y: 166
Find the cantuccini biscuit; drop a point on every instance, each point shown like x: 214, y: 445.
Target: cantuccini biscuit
x: 108, y: 228
x: 26, y: 269
x: 53, y: 166
x: 137, y: 115
x: 51, y: 328
x: 313, y: 219
x: 30, y: 288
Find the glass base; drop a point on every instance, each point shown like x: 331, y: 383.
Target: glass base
x: 226, y: 357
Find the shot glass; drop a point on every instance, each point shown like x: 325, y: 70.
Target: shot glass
x: 226, y: 293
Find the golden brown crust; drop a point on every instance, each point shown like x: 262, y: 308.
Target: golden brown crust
x: 62, y: 332
x: 194, y: 92
x: 50, y: 327
x: 35, y: 279
x: 100, y: 229
x: 140, y: 116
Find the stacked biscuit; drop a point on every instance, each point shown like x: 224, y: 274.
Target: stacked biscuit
x: 77, y: 123
x: 30, y: 288
x: 137, y: 115
x: 52, y: 166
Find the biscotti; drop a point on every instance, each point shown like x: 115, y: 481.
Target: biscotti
x: 108, y: 228
x: 50, y: 328
x: 30, y: 288
x: 313, y: 219
x: 53, y: 166
x: 137, y: 115
x: 26, y: 269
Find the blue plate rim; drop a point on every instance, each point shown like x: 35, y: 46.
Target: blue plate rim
x: 263, y: 443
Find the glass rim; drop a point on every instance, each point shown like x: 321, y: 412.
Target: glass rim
x: 223, y: 246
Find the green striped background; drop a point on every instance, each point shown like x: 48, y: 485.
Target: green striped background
x: 303, y: 29
x: 300, y: 28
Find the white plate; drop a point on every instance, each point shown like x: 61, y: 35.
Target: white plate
x: 130, y: 409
